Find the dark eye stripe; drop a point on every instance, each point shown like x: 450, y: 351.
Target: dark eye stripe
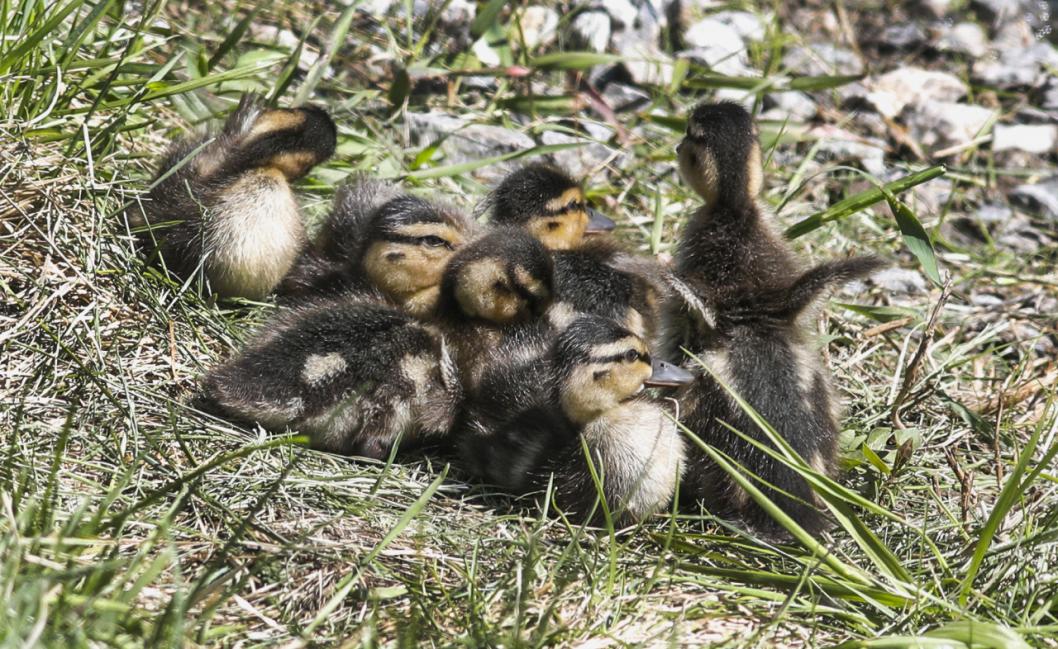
x: 613, y: 358
x: 413, y: 240
x: 567, y: 208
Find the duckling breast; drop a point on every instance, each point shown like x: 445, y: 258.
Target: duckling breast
x: 253, y: 234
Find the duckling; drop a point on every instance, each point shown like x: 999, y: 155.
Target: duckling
x: 750, y: 326
x: 378, y: 239
x: 356, y: 374
x: 526, y: 419
x: 229, y: 209
x: 493, y: 287
x: 592, y: 274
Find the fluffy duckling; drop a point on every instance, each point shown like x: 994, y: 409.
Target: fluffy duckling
x: 492, y: 288
x: 592, y: 274
x: 356, y: 375
x: 229, y: 209
x: 525, y: 420
x: 750, y: 326
x: 378, y: 239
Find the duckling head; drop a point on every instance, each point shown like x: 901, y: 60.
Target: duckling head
x: 407, y: 243
x: 289, y: 141
x: 601, y: 365
x: 505, y: 277
x: 549, y: 204
x: 720, y: 156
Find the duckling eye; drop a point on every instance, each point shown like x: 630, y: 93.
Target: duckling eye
x: 599, y: 374
x: 553, y: 225
x: 433, y: 241
x: 500, y: 287
x: 631, y: 356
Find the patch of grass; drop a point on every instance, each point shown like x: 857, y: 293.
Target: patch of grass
x: 127, y: 518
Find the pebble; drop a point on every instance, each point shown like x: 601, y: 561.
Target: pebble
x: 894, y: 90
x: 902, y: 36
x: 1017, y: 67
x: 793, y: 105
x: 842, y: 145
x: 622, y: 97
x: 963, y: 38
x: 590, y: 30
x: 900, y: 280
x: 539, y: 26
x: 465, y: 142
x: 1031, y: 138
x: 1041, y: 198
x: 994, y: 213
x: 942, y: 124
x: 718, y: 46
x: 748, y: 26
x: 579, y: 161
x: 821, y: 59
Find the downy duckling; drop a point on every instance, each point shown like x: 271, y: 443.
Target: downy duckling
x: 751, y: 327
x: 592, y: 274
x: 378, y: 239
x: 491, y: 288
x: 229, y: 209
x: 525, y: 421
x: 356, y: 375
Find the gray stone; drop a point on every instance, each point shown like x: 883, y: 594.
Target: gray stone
x: 931, y: 197
x: 942, y: 124
x: 963, y: 38
x: 718, y: 46
x: 1017, y: 67
x: 1031, y: 138
x: 1050, y: 95
x: 794, y: 105
x: 900, y: 280
x: 539, y: 26
x: 1041, y: 198
x: 994, y: 213
x: 842, y: 145
x: 621, y: 97
x: 748, y: 26
x: 623, y: 12
x: 821, y: 59
x: 1021, y: 236
x: 894, y: 90
x: 902, y: 36
x: 464, y: 141
x: 579, y: 161
x: 590, y: 30
x: 937, y: 7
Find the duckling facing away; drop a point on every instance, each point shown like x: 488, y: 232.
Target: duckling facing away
x: 356, y: 375
x: 523, y: 423
x: 753, y: 331
x: 229, y: 209
x: 592, y: 275
x: 377, y: 238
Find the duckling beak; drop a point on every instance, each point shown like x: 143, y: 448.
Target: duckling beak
x: 598, y: 222
x: 667, y: 375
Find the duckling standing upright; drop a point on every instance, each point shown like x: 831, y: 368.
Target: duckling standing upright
x: 592, y: 275
x: 356, y: 375
x: 378, y: 239
x: 525, y: 419
x: 225, y: 206
x: 752, y: 332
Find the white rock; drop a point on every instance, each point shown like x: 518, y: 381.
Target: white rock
x: 591, y: 30
x: 1015, y: 67
x: 718, y: 46
x: 1041, y: 198
x: 622, y: 11
x: 488, y: 56
x: 821, y: 58
x: 580, y: 161
x: 941, y: 124
x: 894, y: 90
x: 748, y: 26
x: 964, y: 38
x: 539, y: 25
x: 900, y: 280
x: 463, y: 141
x: 795, y: 105
x: 647, y: 65
x: 841, y: 145
x: 1031, y: 138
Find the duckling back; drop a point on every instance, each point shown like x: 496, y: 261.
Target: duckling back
x: 355, y: 376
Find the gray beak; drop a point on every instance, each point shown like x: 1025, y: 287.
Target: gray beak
x: 598, y: 222
x: 667, y: 375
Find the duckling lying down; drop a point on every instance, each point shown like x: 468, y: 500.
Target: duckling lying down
x: 526, y: 419
x: 357, y: 375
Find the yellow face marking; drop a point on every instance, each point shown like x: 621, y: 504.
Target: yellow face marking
x: 754, y: 171
x: 698, y: 169
x: 276, y: 120
x: 594, y: 388
x: 411, y: 272
x: 530, y: 283
x: 561, y: 231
